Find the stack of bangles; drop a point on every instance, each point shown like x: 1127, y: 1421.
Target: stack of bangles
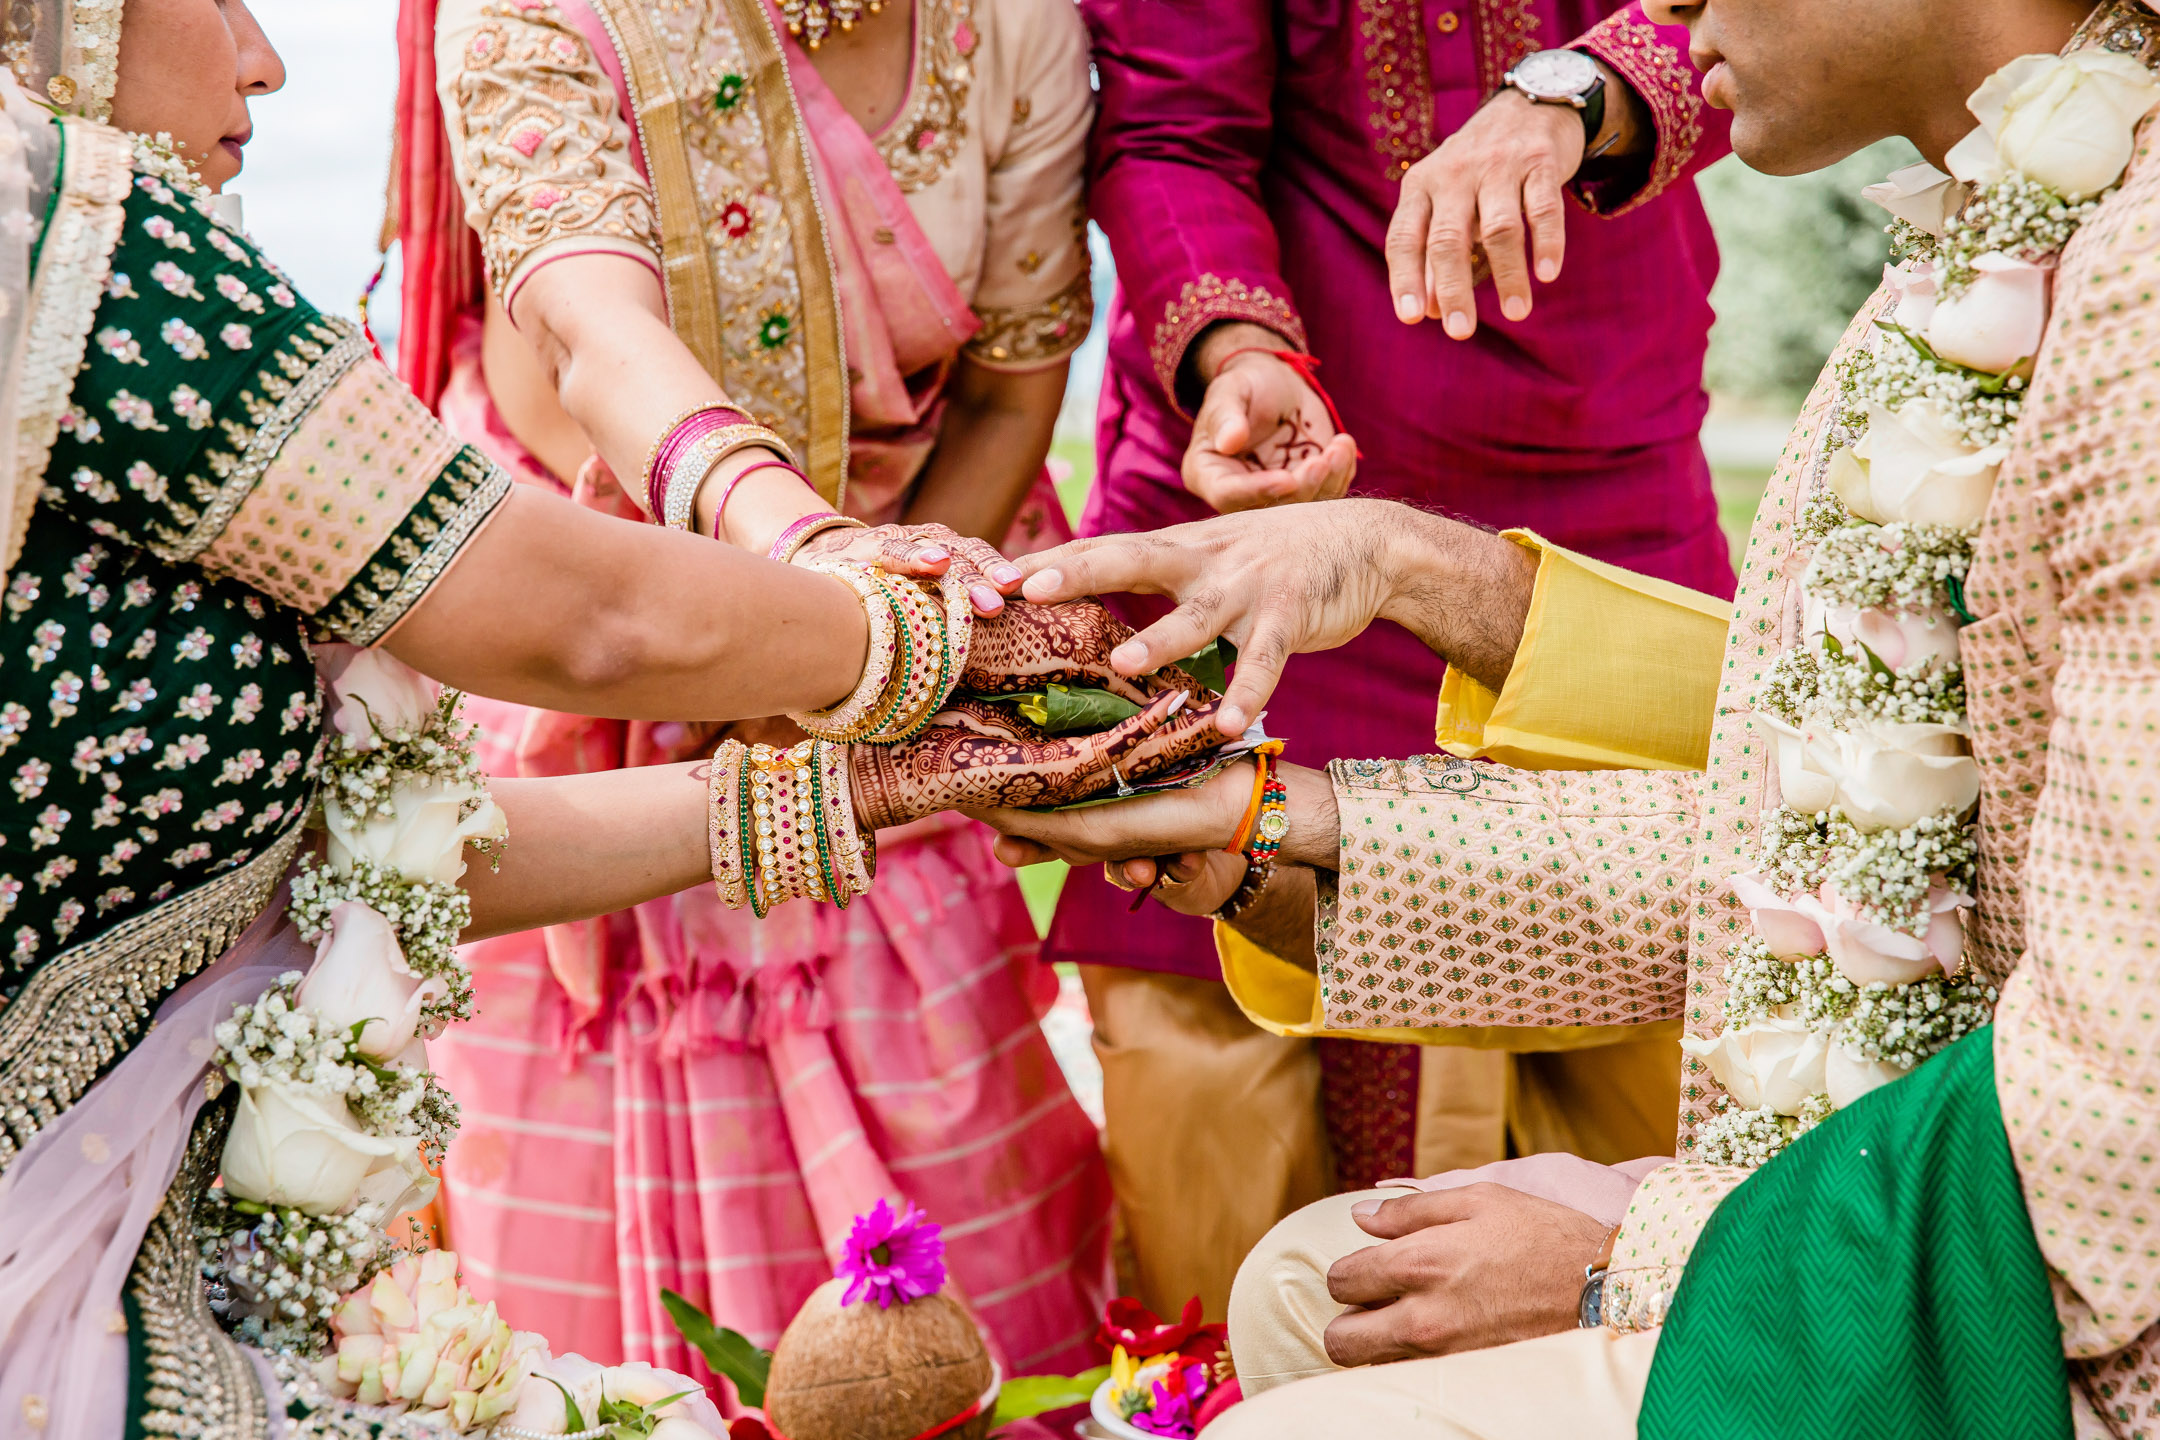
x: 688, y: 454
x: 919, y: 637
x: 782, y: 826
x: 1260, y: 834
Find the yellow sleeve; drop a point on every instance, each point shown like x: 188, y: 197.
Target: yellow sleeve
x: 1616, y: 671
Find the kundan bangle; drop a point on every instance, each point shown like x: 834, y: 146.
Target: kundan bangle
x: 720, y: 505
x: 914, y: 661
x: 695, y: 421
x: 791, y: 539
x: 849, y: 720
x: 676, y: 495
x: 851, y: 853
x: 723, y: 791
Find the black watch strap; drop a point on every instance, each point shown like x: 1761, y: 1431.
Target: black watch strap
x: 1593, y: 113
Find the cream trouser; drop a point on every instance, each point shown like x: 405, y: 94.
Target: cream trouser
x: 1580, y: 1384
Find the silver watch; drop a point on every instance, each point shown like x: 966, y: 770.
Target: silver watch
x: 1563, y: 77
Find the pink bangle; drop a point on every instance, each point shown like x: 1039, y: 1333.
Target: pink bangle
x: 668, y: 450
x: 792, y: 538
x: 745, y: 473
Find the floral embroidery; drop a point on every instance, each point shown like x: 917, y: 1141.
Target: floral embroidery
x: 190, y: 406
x: 773, y: 330
x: 1035, y: 334
x: 133, y: 410
x: 185, y: 339
x: 226, y: 246
x: 281, y: 294
x: 235, y: 290
x: 1505, y: 31
x: 144, y: 480
x: 1398, y: 87
x: 921, y: 142
x: 175, y: 281
x: 121, y: 345
x: 1666, y: 81
x: 1206, y: 300
x: 159, y: 227
x: 94, y: 485
x: 119, y: 287
x: 728, y: 92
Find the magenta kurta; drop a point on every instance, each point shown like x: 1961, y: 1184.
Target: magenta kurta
x: 1246, y: 160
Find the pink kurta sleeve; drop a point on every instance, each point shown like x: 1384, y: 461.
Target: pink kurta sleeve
x: 1472, y: 894
x: 1654, y: 60
x: 1185, y: 126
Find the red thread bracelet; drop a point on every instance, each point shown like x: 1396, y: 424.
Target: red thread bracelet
x: 1307, y: 367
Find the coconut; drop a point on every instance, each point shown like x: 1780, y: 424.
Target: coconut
x: 864, y: 1372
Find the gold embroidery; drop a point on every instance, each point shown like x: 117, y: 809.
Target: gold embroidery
x: 65, y: 293
x: 542, y: 157
x: 1398, y: 86
x: 1506, y: 31
x: 1018, y: 336
x: 1666, y: 82
x: 87, y: 1004
x: 923, y: 138
x: 485, y: 485
x: 1204, y: 301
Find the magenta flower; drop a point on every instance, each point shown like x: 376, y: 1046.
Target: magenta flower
x: 896, y: 1258
x: 1176, y: 1398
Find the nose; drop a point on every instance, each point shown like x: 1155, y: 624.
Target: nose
x: 1670, y: 12
x: 262, y: 69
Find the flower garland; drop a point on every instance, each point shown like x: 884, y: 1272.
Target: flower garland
x: 1854, y: 972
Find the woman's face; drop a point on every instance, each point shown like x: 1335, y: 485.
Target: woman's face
x: 188, y: 67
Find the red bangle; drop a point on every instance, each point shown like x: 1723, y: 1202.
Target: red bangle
x: 1307, y: 367
x: 745, y: 473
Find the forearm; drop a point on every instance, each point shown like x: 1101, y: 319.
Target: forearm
x: 1463, y: 591
x: 1280, y: 921
x: 585, y: 845
x: 990, y: 448
x: 559, y: 607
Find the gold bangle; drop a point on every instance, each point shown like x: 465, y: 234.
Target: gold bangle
x: 652, y: 452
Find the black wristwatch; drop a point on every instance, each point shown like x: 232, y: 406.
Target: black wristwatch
x: 1563, y: 77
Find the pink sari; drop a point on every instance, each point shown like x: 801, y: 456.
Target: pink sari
x: 683, y: 1097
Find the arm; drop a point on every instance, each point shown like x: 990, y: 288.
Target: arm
x: 1499, y: 178
x: 990, y: 448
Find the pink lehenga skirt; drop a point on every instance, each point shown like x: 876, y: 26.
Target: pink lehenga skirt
x: 729, y: 1093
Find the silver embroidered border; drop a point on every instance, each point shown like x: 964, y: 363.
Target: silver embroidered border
x: 88, y: 1003
x: 489, y: 490
x: 270, y: 437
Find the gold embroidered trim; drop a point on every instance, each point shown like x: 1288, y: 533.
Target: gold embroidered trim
x: 922, y: 140
x: 197, y: 1381
x: 1204, y: 301
x: 1506, y: 31
x: 347, y: 348
x: 1018, y: 336
x: 1398, y: 85
x: 1662, y: 76
x: 480, y: 486
x: 65, y: 294
x: 87, y: 1004
x: 1639, y: 1298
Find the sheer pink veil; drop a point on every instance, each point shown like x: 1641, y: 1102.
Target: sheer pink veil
x: 77, y: 1201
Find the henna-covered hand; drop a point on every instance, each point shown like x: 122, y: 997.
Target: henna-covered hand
x: 1069, y: 643
x: 977, y: 755
x: 924, y: 552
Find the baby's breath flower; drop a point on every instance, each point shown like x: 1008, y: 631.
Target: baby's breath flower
x: 1900, y: 567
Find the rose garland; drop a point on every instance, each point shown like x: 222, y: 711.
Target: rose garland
x: 1855, y: 971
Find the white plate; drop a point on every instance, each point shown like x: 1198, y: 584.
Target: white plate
x: 1103, y: 1419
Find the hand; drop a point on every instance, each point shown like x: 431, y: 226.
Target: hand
x: 980, y: 756
x: 1066, y: 643
x: 1198, y: 884
x: 1461, y: 1270
x: 1171, y: 822
x: 1263, y: 435
x: 923, y: 552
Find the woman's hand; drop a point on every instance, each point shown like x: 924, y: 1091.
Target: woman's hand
x: 980, y: 756
x: 1067, y: 643
x: 1311, y: 577
x: 924, y: 552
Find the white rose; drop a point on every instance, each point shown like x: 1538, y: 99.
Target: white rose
x: 374, y: 691
x: 677, y: 1427
x: 1804, y: 780
x: 290, y: 1146
x: 1890, y: 775
x: 1996, y: 322
x: 1870, y: 954
x: 540, y: 1406
x: 1912, y: 466
x: 1776, y: 1062
x: 1846, y: 1079
x: 2064, y: 121
x: 424, y: 839
x: 1919, y: 195
x: 1915, y: 290
x: 360, y: 974
x: 397, y: 1183
x: 1793, y: 929
x: 1898, y: 639
x: 636, y: 1382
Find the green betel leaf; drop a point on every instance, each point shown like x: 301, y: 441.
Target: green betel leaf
x: 728, y: 1352
x: 1211, y: 667
x: 1033, y: 1395
x: 1067, y: 710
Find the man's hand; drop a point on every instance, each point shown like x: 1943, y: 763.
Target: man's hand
x: 1461, y: 1270
x: 1263, y: 435
x: 1492, y: 183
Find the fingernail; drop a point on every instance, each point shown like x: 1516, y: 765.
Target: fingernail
x: 1231, y: 719
x: 1514, y: 307
x: 1366, y: 1209
x: 1043, y: 583
x: 985, y: 598
x: 1131, y: 654
x: 1546, y: 270
x: 934, y: 553
x: 1458, y: 325
x: 1177, y: 703
x: 1407, y: 309
x: 1005, y: 574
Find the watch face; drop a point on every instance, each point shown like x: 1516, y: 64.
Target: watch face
x: 1554, y: 74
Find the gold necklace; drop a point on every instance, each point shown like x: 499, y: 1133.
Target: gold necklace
x: 810, y: 21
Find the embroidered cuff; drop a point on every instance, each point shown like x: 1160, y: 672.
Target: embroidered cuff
x: 1028, y: 337
x: 1660, y: 73
x: 1663, y: 1222
x: 1200, y: 304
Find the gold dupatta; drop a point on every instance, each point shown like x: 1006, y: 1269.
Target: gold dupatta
x: 747, y: 265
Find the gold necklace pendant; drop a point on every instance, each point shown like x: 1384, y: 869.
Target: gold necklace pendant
x: 811, y: 21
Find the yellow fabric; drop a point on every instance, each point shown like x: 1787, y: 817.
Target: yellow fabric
x: 1616, y: 671
x: 1284, y: 999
